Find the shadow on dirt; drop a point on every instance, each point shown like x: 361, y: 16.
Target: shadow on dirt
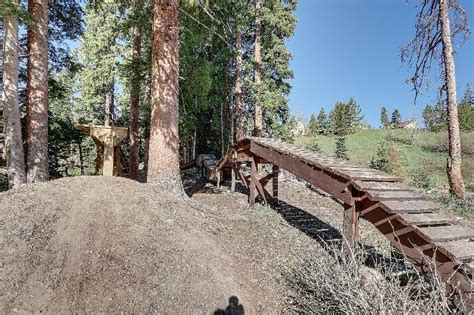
x: 234, y: 308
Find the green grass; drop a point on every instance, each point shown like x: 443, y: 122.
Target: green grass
x: 422, y: 164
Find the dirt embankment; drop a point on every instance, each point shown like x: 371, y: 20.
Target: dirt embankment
x: 98, y: 244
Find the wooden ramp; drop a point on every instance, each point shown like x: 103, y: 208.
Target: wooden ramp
x: 414, y: 225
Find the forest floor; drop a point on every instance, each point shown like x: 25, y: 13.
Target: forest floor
x: 107, y: 244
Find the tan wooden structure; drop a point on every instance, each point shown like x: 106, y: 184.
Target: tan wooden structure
x: 107, y: 140
x: 413, y: 225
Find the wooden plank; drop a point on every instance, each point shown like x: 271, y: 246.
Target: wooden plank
x: 457, y: 250
x: 446, y: 233
x: 415, y: 206
x: 397, y: 194
x: 426, y: 218
x: 370, y: 185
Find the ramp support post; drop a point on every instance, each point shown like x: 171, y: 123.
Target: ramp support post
x: 253, y: 185
x: 276, y: 172
x: 350, y: 226
x: 233, y: 175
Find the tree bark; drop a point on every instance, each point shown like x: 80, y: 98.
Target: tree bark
x: 135, y: 99
x: 163, y: 164
x: 109, y: 105
x: 454, y: 159
x: 258, y: 68
x: 13, y: 139
x: 37, y: 92
x: 239, y: 119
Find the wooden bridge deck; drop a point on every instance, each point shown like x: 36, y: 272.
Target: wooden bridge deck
x: 414, y: 225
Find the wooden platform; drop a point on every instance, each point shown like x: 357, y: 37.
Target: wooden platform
x: 415, y: 226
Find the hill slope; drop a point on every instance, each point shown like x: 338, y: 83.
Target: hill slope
x: 98, y: 244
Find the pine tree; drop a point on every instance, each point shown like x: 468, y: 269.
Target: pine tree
x: 278, y: 24
x: 312, y: 126
x: 322, y: 124
x: 258, y: 126
x: 238, y: 106
x: 163, y: 164
x: 384, y: 122
x: 435, y: 117
x: 338, y: 119
x: 135, y: 90
x: 396, y: 118
x: 13, y: 138
x: 98, y: 54
x: 341, y: 149
x: 354, y: 117
x: 466, y: 110
x: 37, y: 92
x: 380, y: 161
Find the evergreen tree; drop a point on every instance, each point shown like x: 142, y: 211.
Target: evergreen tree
x: 380, y: 161
x: 384, y: 122
x: 278, y: 24
x: 14, y: 153
x: 396, y: 118
x: 322, y: 124
x: 312, y: 126
x: 338, y: 119
x: 163, y: 164
x: 341, y: 149
x: 435, y: 117
x: 98, y: 53
x: 37, y: 92
x: 345, y: 118
x: 354, y: 117
x: 466, y: 110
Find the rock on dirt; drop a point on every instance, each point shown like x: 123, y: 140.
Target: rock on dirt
x: 106, y: 244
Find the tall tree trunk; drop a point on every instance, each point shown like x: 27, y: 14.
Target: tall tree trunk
x: 2, y: 115
x: 258, y: 68
x: 163, y: 164
x: 13, y: 140
x: 135, y: 98
x: 454, y: 159
x: 239, y: 119
x: 196, y: 112
x: 109, y: 105
x: 37, y: 92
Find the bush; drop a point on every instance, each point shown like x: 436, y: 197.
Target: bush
x: 314, y: 146
x: 381, y: 159
x: 330, y: 283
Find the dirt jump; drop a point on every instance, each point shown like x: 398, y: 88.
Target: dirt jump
x: 107, y: 244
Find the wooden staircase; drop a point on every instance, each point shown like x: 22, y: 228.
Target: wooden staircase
x: 413, y: 225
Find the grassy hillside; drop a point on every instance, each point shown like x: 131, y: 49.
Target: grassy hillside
x: 421, y: 164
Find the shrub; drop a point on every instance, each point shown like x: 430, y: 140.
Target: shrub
x: 314, y: 146
x: 341, y: 149
x: 381, y: 159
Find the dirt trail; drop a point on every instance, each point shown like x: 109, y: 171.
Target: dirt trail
x: 98, y: 244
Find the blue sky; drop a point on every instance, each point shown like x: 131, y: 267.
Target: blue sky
x: 345, y: 48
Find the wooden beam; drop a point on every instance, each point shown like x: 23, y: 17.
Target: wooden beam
x: 350, y: 227
x: 253, y: 186
x: 334, y: 185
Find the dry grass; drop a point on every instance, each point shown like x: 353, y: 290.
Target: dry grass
x: 337, y: 284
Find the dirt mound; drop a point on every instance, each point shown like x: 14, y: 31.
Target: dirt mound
x: 98, y: 244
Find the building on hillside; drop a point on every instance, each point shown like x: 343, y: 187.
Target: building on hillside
x: 409, y: 124
x: 298, y: 128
